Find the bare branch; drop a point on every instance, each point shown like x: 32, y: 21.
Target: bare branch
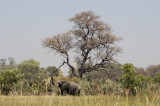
x: 91, y: 36
x: 62, y: 64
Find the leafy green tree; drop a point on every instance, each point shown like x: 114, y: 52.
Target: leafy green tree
x: 52, y: 71
x: 157, y: 78
x: 8, y: 78
x: 128, y: 78
x: 29, y: 68
x: 143, y: 81
x: 33, y: 76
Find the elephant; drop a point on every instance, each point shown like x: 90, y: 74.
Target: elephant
x: 68, y: 88
x: 74, y: 89
x: 63, y: 85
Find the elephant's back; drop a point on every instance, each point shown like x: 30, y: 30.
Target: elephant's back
x: 74, y: 85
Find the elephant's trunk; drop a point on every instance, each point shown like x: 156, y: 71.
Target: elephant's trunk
x: 52, y: 81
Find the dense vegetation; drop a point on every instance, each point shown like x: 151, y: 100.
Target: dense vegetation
x: 28, y: 78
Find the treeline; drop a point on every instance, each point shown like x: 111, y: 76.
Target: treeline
x: 24, y: 78
x: 124, y: 80
x: 28, y: 78
x: 113, y: 72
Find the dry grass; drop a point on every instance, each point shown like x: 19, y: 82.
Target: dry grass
x: 101, y: 100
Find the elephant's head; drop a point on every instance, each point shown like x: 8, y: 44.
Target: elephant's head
x: 62, y: 84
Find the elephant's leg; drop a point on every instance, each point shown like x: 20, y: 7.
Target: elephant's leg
x: 78, y: 92
x: 74, y: 92
x: 64, y: 92
x: 71, y: 92
x: 61, y: 92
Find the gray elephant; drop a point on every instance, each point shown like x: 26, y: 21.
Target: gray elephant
x: 68, y: 88
x: 74, y: 89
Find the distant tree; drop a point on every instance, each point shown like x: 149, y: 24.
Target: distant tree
x: 112, y: 72
x: 2, y: 63
x: 92, y: 40
x: 8, y: 78
x: 152, y: 70
x: 11, y: 63
x: 52, y: 71
x: 29, y: 68
x: 140, y: 71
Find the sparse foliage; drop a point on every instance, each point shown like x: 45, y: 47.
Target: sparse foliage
x: 112, y: 72
x: 7, y: 63
x: 92, y: 40
x: 152, y: 70
x: 11, y: 61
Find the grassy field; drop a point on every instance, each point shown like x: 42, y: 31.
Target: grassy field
x: 101, y: 100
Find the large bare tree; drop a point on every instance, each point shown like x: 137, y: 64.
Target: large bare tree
x: 90, y: 39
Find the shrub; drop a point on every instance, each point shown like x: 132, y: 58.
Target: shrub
x: 157, y: 78
x: 8, y: 78
x: 128, y: 78
x: 143, y: 81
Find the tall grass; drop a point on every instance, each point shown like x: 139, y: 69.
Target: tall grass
x: 100, y: 100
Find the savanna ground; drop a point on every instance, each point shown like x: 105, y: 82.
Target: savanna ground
x: 145, y: 99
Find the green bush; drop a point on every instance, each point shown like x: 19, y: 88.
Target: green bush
x: 8, y: 78
x: 128, y: 78
x: 144, y: 81
x: 157, y: 78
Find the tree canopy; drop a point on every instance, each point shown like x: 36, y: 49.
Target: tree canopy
x: 90, y: 39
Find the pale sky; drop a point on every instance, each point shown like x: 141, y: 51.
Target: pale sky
x: 24, y: 23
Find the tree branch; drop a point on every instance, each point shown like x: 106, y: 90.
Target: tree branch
x: 62, y: 64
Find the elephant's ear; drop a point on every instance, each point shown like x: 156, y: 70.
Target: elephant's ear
x: 65, y: 82
x: 60, y: 83
x: 57, y: 83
